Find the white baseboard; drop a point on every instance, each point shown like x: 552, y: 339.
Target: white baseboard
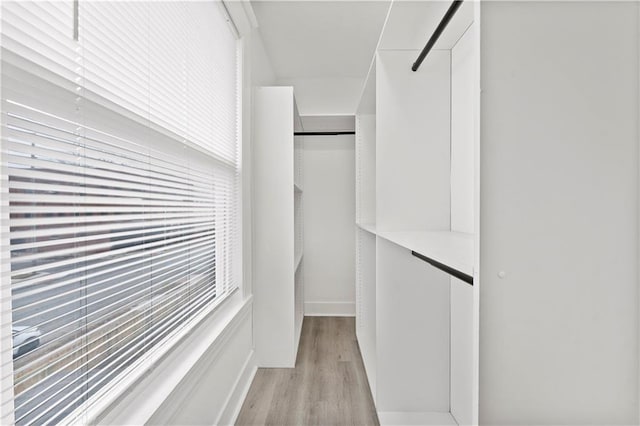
x: 330, y: 309
x: 411, y: 418
x: 240, y: 390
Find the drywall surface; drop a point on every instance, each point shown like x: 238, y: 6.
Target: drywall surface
x: 257, y: 72
x: 559, y: 216
x: 326, y: 96
x: 262, y: 73
x: 329, y: 231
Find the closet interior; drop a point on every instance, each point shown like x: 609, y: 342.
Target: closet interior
x: 490, y: 188
x: 416, y: 214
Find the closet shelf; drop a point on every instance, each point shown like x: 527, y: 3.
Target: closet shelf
x: 369, y: 227
x: 297, y: 188
x: 450, y: 249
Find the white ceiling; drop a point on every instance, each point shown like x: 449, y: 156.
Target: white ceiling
x: 320, y: 39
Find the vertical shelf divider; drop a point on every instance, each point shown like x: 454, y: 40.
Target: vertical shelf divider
x: 278, y: 227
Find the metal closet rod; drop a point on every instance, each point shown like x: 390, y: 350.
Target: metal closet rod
x: 445, y: 268
x: 436, y: 34
x: 322, y: 133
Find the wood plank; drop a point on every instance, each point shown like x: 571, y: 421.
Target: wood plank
x: 327, y: 386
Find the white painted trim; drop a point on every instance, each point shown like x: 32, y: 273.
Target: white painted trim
x: 240, y: 390
x: 638, y: 205
x: 251, y: 16
x: 140, y: 403
x: 413, y: 418
x: 232, y: 24
x: 373, y: 59
x: 330, y: 309
x: 477, y: 144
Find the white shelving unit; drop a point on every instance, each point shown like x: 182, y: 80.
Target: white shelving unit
x: 369, y: 227
x: 278, y: 228
x: 365, y: 234
x: 298, y: 228
x: 540, y: 214
x: 414, y: 322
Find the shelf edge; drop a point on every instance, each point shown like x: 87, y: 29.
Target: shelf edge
x: 297, y: 261
x: 465, y: 268
x: 369, y: 227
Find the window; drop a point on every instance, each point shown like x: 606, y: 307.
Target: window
x: 120, y: 192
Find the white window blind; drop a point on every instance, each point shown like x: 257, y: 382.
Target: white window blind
x: 120, y: 172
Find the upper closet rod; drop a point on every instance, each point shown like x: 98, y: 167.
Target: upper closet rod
x: 436, y: 34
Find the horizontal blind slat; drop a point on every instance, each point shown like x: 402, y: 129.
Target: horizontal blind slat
x: 114, y: 265
x: 180, y: 313
x: 134, y: 300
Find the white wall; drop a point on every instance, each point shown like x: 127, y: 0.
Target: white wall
x: 329, y: 229
x: 257, y: 71
x: 262, y: 73
x: 559, y: 176
x: 326, y: 96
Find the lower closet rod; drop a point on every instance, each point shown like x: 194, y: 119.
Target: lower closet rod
x: 448, y: 269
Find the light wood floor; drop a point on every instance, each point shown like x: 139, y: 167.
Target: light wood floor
x: 328, y: 386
